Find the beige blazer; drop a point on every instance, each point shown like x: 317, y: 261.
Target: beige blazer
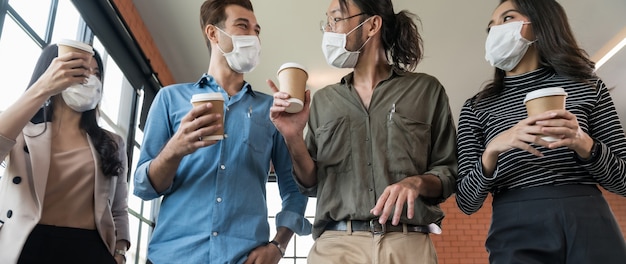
x: 23, y: 185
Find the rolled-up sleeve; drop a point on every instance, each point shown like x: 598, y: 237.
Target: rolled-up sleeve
x: 293, y: 202
x: 156, y: 134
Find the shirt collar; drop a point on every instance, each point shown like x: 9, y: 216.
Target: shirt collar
x: 394, y: 72
x: 209, y: 82
x: 529, y: 78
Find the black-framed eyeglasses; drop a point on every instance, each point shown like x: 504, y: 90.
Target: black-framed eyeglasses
x: 331, y: 21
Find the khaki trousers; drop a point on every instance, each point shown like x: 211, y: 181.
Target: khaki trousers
x: 347, y: 247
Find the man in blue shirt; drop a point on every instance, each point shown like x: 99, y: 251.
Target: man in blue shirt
x: 214, y: 208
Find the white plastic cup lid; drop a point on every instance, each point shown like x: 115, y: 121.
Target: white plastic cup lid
x: 207, y: 97
x: 76, y: 44
x: 544, y: 92
x: 292, y: 65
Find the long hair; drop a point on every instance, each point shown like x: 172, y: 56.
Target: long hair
x: 400, y: 37
x: 212, y: 12
x: 106, y: 147
x: 556, y: 45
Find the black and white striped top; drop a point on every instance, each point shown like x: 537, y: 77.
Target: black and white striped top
x: 480, y: 123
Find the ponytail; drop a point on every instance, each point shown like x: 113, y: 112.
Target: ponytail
x: 402, y: 41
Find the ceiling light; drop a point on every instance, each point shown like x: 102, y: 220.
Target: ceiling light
x: 610, y: 49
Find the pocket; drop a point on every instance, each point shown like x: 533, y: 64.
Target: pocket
x: 408, y: 145
x: 257, y: 133
x: 333, y: 141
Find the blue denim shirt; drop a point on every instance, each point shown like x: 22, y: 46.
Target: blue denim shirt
x: 215, y: 211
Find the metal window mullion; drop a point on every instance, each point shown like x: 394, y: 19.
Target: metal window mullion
x: 84, y: 33
x: 3, y: 11
x: 132, y: 127
x: 22, y: 24
x: 52, y: 16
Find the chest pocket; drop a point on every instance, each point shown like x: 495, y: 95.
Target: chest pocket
x: 258, y: 133
x: 333, y: 145
x: 408, y: 145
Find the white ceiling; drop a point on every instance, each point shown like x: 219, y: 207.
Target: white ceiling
x: 453, y: 33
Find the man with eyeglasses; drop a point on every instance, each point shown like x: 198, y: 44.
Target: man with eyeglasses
x: 214, y: 208
x: 380, y: 151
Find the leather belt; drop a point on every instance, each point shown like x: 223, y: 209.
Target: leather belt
x: 374, y: 227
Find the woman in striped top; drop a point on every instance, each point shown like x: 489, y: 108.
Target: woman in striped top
x: 546, y: 206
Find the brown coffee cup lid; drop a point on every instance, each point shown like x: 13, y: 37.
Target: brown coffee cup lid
x: 544, y: 92
x: 76, y: 44
x: 207, y: 97
x: 292, y: 65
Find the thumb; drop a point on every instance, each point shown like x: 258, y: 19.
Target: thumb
x: 272, y: 85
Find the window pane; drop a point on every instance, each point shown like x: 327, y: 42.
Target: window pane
x: 113, y: 83
x: 35, y: 13
x: 66, y: 22
x: 18, y: 56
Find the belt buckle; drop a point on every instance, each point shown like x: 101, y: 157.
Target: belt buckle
x: 376, y: 228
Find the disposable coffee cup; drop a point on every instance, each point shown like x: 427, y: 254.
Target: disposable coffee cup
x: 292, y: 78
x: 544, y: 100
x: 68, y: 45
x: 217, y: 101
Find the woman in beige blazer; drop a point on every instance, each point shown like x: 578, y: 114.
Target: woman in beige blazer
x: 63, y: 195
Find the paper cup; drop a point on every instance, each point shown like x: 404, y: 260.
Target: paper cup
x: 218, y: 108
x: 292, y: 78
x: 68, y: 45
x: 544, y: 100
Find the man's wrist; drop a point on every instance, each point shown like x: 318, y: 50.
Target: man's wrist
x: 280, y: 248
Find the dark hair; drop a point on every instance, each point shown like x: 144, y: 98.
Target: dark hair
x: 212, y: 12
x: 106, y: 147
x: 556, y: 45
x: 400, y: 37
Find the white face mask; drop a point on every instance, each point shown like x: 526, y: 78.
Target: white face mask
x: 245, y: 54
x: 334, y: 48
x: 83, y: 97
x: 505, y: 45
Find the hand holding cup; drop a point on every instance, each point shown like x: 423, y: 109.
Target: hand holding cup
x: 292, y: 78
x: 543, y: 100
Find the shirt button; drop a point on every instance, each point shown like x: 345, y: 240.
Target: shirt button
x: 369, y: 164
x: 367, y: 139
x: 214, y: 233
x: 222, y: 167
x: 371, y: 190
x: 219, y: 199
x: 225, y: 135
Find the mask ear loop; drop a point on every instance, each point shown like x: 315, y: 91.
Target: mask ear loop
x: 368, y: 38
x: 359, y: 25
x: 526, y: 23
x: 231, y: 39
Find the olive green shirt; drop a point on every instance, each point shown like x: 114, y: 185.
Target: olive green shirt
x: 408, y: 130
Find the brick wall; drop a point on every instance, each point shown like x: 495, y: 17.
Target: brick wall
x: 463, y: 238
x: 140, y: 32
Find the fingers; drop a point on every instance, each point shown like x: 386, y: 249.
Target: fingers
x: 70, y: 56
x: 380, y: 204
x: 272, y: 86
x: 384, y: 205
x: 307, y: 98
x: 399, y: 205
x: 199, y: 122
x: 393, y: 199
